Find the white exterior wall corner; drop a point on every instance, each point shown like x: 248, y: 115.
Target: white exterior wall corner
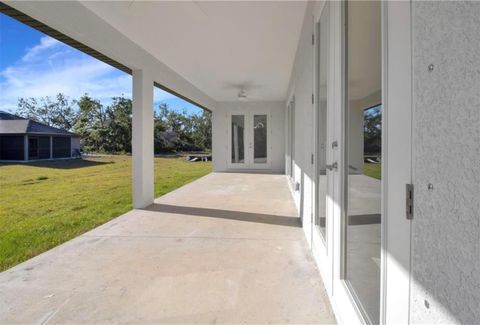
x: 221, y: 141
x: 446, y: 226
x: 301, y: 86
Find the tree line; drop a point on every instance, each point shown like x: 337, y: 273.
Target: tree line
x: 108, y: 129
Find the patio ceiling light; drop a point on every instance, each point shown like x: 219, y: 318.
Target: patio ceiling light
x: 242, y: 96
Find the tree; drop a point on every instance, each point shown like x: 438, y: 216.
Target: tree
x: 109, y: 129
x: 202, y: 134
x: 180, y: 131
x: 119, y: 121
x: 56, y: 112
x: 160, y: 126
x: 373, y: 130
x: 90, y: 123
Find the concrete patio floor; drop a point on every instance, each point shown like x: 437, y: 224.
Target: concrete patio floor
x: 226, y: 248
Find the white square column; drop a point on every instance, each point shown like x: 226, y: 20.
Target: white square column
x: 25, y: 147
x: 51, y: 147
x: 142, y: 139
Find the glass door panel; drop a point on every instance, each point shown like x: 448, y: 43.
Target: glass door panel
x: 363, y: 129
x: 289, y: 143
x: 291, y: 138
x: 238, y: 139
x: 260, y: 139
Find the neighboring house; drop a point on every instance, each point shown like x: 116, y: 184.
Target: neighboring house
x: 23, y: 139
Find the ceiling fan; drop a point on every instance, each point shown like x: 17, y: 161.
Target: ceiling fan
x: 244, y: 90
x: 242, y: 96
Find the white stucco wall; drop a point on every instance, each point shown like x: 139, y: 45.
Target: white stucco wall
x: 221, y: 125
x: 446, y: 227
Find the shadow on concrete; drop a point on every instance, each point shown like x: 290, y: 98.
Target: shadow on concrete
x: 251, y: 172
x: 227, y: 214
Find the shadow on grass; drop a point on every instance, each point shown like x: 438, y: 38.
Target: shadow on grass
x: 226, y: 214
x: 61, y: 164
x: 173, y: 155
x: 169, y: 154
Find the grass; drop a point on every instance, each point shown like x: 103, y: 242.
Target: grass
x: 373, y: 170
x: 45, y: 204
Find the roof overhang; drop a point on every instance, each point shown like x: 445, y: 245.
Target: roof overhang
x: 204, y: 51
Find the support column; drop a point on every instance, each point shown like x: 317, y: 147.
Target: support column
x: 25, y: 147
x: 142, y: 139
x: 51, y: 147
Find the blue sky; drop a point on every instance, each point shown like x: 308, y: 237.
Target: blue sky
x: 35, y: 65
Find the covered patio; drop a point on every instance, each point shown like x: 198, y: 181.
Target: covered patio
x: 289, y: 85
x: 227, y: 248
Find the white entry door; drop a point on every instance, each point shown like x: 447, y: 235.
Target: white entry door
x: 249, y: 134
x: 371, y: 229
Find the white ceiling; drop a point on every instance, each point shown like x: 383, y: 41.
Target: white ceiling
x: 217, y: 46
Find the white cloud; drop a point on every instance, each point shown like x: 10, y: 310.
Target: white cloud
x: 51, y: 67
x: 46, y: 42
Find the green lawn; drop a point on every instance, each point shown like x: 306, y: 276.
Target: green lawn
x: 45, y: 204
x: 373, y: 170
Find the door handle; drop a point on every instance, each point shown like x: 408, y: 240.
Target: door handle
x: 333, y: 166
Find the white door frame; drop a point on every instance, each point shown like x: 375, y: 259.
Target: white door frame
x: 345, y: 308
x: 397, y: 170
x: 290, y: 127
x: 248, y: 143
x: 396, y: 167
x: 323, y: 249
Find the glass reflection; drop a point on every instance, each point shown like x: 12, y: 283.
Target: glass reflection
x: 363, y: 134
x: 260, y: 139
x: 238, y: 148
